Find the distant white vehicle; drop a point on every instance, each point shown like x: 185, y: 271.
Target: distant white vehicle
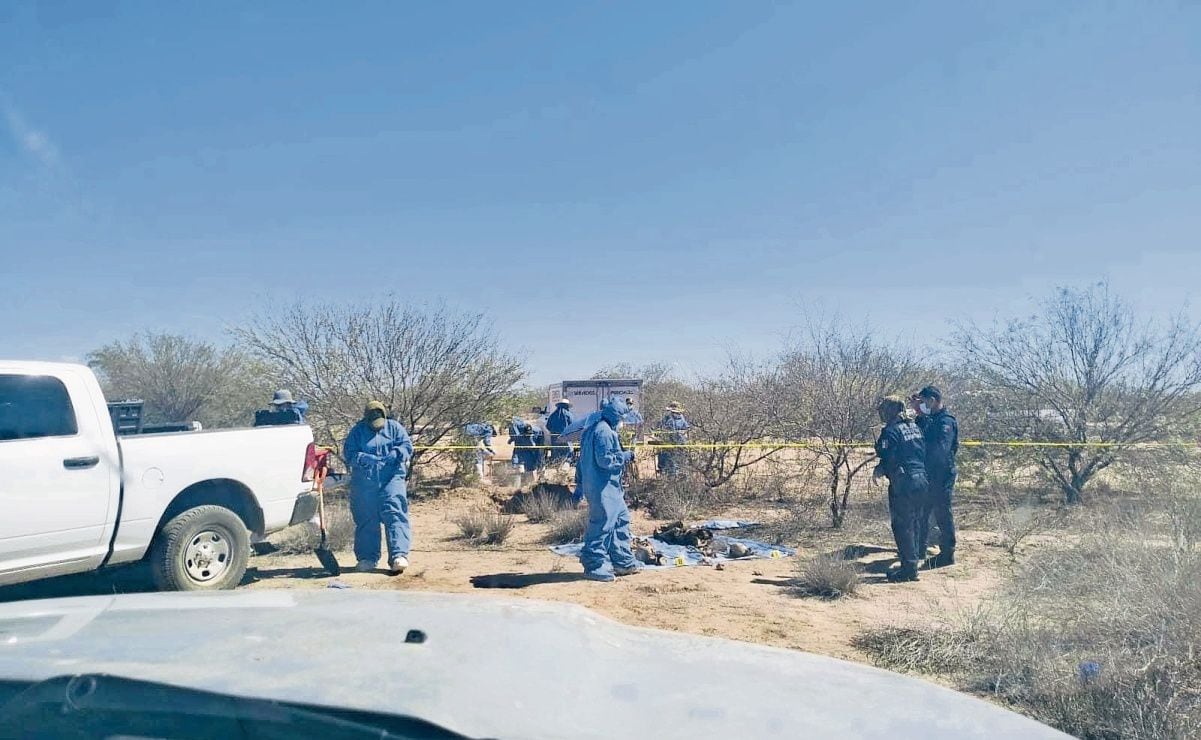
x: 76, y: 497
x: 587, y: 396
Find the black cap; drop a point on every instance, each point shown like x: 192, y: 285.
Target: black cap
x: 930, y: 392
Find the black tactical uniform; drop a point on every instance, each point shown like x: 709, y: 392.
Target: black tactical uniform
x: 902, y: 452
x: 941, y: 433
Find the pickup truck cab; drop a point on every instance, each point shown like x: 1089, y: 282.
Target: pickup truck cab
x: 75, y: 497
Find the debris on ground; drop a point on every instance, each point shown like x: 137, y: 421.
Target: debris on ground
x: 675, y: 544
x: 645, y: 552
x: 738, y: 550
x: 676, y: 533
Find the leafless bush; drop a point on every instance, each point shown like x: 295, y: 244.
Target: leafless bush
x: 566, y: 526
x: 1097, y: 636
x: 305, y: 536
x: 680, y: 497
x: 1084, y: 370
x: 730, y: 412
x: 826, y: 389
x: 435, y: 369
x: 484, y: 526
x: 827, y: 577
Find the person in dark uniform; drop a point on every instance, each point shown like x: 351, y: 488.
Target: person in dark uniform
x: 902, y: 452
x: 941, y: 433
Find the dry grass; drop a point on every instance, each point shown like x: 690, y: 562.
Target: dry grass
x: 827, y: 577
x: 566, y: 526
x: 305, y: 536
x: 1015, y: 525
x: 681, y: 497
x: 1096, y: 635
x: 545, y: 503
x: 484, y: 526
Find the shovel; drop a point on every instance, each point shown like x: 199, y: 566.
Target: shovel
x: 322, y: 551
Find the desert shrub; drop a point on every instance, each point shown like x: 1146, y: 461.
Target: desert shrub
x: 484, y: 526
x: 566, y: 525
x: 305, y: 536
x: 1016, y: 524
x: 680, y: 497
x: 1097, y: 636
x: 541, y: 503
x: 827, y: 577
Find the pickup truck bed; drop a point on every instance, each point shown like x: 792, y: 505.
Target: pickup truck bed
x: 74, y: 497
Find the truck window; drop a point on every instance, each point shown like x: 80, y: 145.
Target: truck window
x: 35, y: 406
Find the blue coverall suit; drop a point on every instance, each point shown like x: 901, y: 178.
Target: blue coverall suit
x: 670, y: 461
x: 559, y: 420
x: 379, y: 463
x: 481, y: 433
x: 941, y: 432
x: 902, y: 452
x: 527, y: 445
x: 598, y: 474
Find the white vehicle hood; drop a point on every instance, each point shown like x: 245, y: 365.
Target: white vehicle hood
x: 488, y: 666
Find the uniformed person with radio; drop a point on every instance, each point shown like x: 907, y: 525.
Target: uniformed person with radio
x: 902, y: 452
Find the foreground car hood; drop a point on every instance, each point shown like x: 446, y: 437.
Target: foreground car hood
x: 488, y: 666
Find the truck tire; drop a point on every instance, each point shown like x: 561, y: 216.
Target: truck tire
x: 201, y: 549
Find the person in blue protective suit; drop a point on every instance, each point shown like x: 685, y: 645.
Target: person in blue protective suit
x: 528, y: 454
x: 902, y: 452
x: 378, y: 450
x: 559, y: 420
x: 606, y: 552
x: 671, y: 462
x: 482, y: 433
x: 941, y: 432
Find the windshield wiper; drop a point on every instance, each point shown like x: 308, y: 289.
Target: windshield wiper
x: 96, y: 705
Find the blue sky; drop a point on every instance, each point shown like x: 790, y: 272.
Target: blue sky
x: 622, y: 181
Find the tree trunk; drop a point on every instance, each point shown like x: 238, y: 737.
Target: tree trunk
x: 1077, y: 479
x: 837, y: 510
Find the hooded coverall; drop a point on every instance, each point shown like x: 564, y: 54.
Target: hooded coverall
x: 379, y: 463
x: 902, y: 452
x: 598, y: 475
x: 527, y: 445
x: 481, y: 432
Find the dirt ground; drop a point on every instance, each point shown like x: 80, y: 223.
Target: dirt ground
x: 751, y: 600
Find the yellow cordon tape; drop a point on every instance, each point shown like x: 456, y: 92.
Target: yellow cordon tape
x: 824, y: 445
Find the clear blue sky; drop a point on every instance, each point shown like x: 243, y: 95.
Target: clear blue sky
x: 609, y: 181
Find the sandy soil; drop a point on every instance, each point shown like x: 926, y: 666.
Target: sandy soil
x: 749, y: 600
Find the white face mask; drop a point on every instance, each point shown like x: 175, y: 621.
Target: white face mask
x: 924, y: 408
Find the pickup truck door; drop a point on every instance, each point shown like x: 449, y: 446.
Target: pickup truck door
x: 59, y: 472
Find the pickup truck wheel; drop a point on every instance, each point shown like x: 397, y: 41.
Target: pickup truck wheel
x: 202, y: 549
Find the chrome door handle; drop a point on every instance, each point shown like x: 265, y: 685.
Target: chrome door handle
x: 81, y: 463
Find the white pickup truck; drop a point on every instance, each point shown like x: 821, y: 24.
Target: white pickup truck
x: 75, y: 497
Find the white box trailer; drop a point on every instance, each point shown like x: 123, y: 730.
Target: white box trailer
x: 587, y: 396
